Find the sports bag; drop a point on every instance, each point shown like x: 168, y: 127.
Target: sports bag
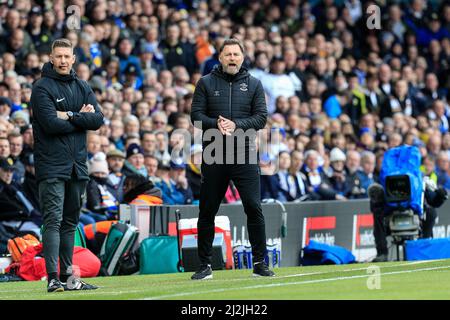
x: 160, y: 253
x: 118, y: 244
x: 17, y: 246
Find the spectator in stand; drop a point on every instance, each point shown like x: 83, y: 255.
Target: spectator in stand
x: 17, y: 214
x: 30, y: 185
x: 298, y: 191
x: 365, y: 176
x: 117, y: 134
x: 134, y: 163
x: 16, y: 148
x: 177, y: 53
x: 140, y: 191
x: 193, y: 170
x: 277, y: 83
x: 340, y: 181
x: 174, y: 185
x: 5, y: 150
x: 151, y: 164
x: 443, y: 170
x: 428, y: 168
x: 100, y: 202
x: 353, y: 162
x: 126, y: 58
x: 162, y: 147
x: 5, y: 107
x: 149, y: 143
x: 316, y: 180
x: 93, y: 144
x: 276, y: 186
x: 116, y: 160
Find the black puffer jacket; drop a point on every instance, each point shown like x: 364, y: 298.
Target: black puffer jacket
x: 60, y: 145
x: 239, y: 97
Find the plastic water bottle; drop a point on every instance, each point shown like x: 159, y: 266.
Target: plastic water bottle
x: 248, y: 255
x: 238, y: 255
x: 277, y: 253
x: 272, y: 253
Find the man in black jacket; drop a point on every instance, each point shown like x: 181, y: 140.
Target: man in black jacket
x: 64, y: 108
x: 229, y: 99
x: 17, y: 211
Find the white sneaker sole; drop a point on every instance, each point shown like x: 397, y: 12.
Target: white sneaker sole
x: 205, y: 278
x: 260, y: 276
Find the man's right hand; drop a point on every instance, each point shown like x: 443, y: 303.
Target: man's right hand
x: 220, y: 125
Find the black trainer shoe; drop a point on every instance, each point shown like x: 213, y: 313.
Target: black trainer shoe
x: 260, y: 269
x: 55, y: 286
x: 78, y: 284
x: 205, y: 272
x: 381, y: 258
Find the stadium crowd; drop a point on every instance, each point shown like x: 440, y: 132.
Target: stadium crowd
x: 338, y: 93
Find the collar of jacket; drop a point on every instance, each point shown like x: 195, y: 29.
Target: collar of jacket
x: 49, y: 72
x: 218, y: 71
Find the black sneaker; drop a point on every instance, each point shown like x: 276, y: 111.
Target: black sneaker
x: 381, y: 258
x: 260, y: 269
x: 78, y: 284
x: 205, y: 272
x: 55, y: 286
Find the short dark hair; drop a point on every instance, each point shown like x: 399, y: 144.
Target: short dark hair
x: 62, y: 43
x: 230, y: 42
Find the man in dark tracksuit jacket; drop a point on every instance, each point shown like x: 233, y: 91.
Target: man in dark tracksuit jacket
x: 64, y: 107
x: 229, y: 99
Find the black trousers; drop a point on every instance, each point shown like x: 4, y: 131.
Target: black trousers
x: 60, y: 202
x: 215, y: 180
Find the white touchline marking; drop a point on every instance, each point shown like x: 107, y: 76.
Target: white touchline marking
x: 288, y: 284
x: 345, y: 270
x: 39, y: 290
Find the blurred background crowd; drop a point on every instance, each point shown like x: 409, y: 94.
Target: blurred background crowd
x: 338, y: 93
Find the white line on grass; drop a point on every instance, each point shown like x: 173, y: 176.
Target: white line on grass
x: 345, y: 270
x: 39, y: 290
x: 286, y: 284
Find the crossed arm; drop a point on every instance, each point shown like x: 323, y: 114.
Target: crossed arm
x: 88, y: 118
x: 54, y: 122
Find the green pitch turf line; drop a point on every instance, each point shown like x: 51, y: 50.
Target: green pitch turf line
x: 398, y: 280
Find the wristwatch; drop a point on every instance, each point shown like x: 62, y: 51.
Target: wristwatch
x: 70, y: 115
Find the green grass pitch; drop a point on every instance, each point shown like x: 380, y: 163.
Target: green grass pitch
x: 392, y: 280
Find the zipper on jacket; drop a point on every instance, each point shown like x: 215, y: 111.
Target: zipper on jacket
x: 231, y: 86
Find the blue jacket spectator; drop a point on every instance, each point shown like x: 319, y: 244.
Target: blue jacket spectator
x: 173, y: 184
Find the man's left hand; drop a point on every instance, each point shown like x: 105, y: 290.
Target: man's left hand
x: 87, y: 108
